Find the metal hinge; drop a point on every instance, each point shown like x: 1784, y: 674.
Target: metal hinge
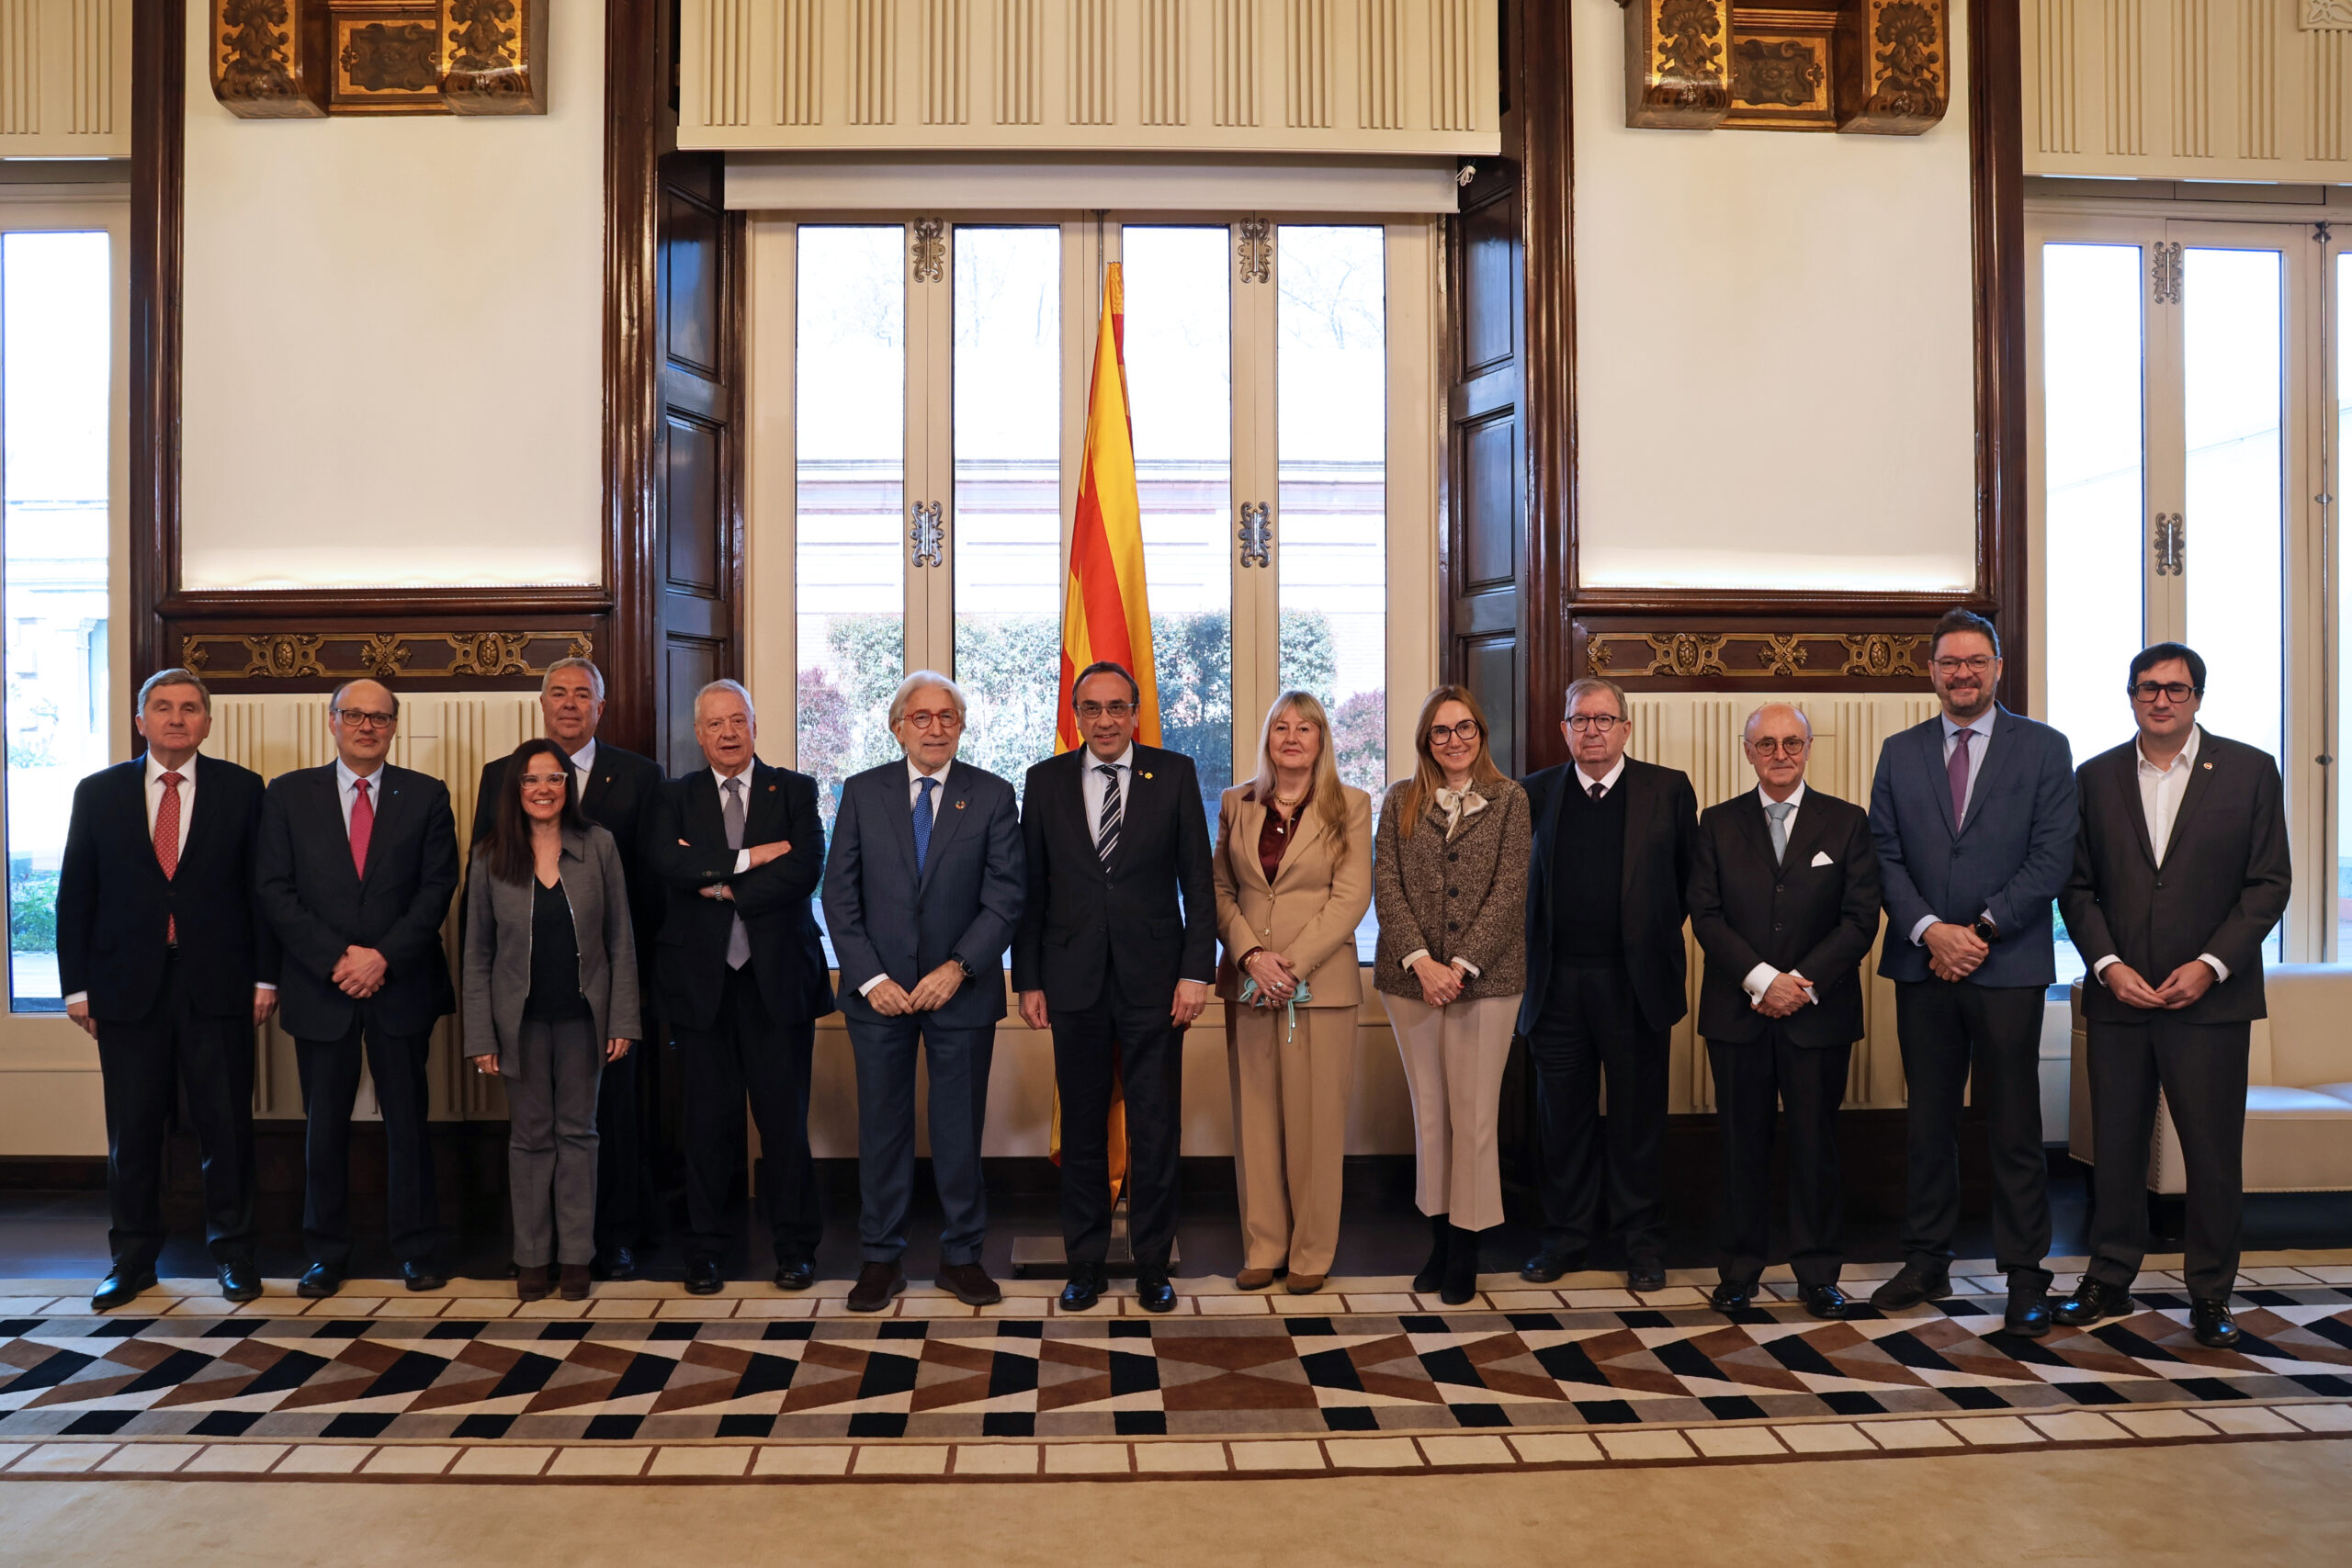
x: 929, y: 535
x: 2169, y: 540
x: 1256, y: 534
x: 2165, y: 272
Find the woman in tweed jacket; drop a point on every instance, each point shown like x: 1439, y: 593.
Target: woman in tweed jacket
x: 1450, y: 885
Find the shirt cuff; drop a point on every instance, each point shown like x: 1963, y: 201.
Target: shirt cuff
x: 77, y: 996
x: 1412, y: 958
x: 1466, y: 967
x: 1919, y: 931
x: 2099, y: 969
x: 742, y: 861
x: 265, y: 985
x: 1211, y: 984
x: 868, y: 988
x: 2221, y: 970
x: 1760, y: 980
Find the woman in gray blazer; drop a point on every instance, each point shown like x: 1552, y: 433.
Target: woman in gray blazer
x: 551, y: 995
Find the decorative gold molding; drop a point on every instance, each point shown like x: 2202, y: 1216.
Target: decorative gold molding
x: 281, y: 59
x: 1869, y: 67
x: 1757, y: 655
x: 383, y: 655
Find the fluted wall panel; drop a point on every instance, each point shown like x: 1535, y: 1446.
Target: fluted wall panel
x: 65, y: 78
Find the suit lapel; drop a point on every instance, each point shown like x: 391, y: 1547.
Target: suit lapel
x: 1309, y: 829
x: 1130, y: 811
x: 2199, y: 774
x: 954, y: 795
x: 1249, y: 826
x: 131, y: 801
x: 706, y: 817
x: 1806, y: 834
x: 1754, y: 825
x: 1999, y: 757
x: 203, y: 825
x: 1637, y: 821
x: 329, y: 800
x: 600, y: 781
x: 1547, y: 837
x: 1931, y: 752
x: 391, y: 808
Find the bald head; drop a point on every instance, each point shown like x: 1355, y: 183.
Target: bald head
x: 362, y: 718
x: 1778, y: 740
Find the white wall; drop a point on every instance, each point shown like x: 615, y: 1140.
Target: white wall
x: 1775, y: 360
x: 393, y: 339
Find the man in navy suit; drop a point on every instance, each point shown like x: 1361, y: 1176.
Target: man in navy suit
x: 165, y: 965
x: 738, y: 847
x: 922, y: 892
x: 356, y: 865
x: 1975, y: 816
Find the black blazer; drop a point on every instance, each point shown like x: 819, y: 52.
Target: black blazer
x: 686, y: 851
x: 114, y: 905
x: 2223, y: 886
x: 1818, y: 919
x: 1083, y: 917
x: 622, y: 789
x: 316, y: 903
x: 1661, y: 821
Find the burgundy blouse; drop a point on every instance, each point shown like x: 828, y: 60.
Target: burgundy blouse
x: 1275, y: 834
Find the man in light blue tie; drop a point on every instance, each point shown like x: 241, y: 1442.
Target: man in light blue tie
x: 922, y: 896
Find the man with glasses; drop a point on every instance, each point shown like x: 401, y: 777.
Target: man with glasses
x: 1113, y: 836
x: 1606, y: 982
x: 2180, y: 872
x: 615, y: 789
x: 922, y: 892
x: 1784, y: 903
x: 1975, y: 816
x: 357, y: 864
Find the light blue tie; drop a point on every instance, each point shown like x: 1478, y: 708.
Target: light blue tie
x: 923, y: 820
x: 1778, y: 810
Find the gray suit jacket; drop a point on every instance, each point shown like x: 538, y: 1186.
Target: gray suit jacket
x: 498, y: 946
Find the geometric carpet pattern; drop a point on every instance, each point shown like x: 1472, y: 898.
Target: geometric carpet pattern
x: 1355, y: 1378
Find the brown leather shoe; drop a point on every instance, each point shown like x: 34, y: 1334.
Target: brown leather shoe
x: 572, y: 1281
x: 531, y: 1282
x: 1304, y: 1284
x: 878, y: 1285
x: 1256, y: 1279
x: 970, y: 1284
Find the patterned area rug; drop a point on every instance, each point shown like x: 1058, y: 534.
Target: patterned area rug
x: 654, y: 1383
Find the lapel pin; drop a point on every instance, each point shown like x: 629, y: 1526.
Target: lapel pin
x: 2209, y: 767
x: 1148, y: 775
x: 770, y: 789
x: 959, y: 805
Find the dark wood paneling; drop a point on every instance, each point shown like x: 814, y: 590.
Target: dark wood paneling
x: 1490, y: 668
x: 635, y: 91
x: 1490, y: 535
x: 687, y: 666
x: 158, y: 129
x: 691, y: 462
x: 1489, y: 285
x: 1996, y: 150
x: 691, y: 287
x: 1549, y: 427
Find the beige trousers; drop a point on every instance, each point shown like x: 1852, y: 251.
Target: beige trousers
x: 1290, y: 1130
x: 1454, y: 1065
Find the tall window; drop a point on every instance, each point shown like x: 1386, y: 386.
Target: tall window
x: 56, y: 362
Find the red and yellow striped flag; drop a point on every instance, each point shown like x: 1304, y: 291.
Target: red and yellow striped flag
x: 1106, y: 612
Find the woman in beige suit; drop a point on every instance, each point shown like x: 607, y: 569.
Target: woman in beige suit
x: 1294, y: 878
x: 1452, y: 883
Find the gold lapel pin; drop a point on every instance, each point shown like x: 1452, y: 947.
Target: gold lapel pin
x: 2209, y: 767
x: 770, y: 789
x: 959, y: 805
x: 1148, y: 775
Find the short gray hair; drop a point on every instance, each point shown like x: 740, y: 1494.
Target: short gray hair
x: 175, y: 677
x: 734, y: 687
x: 923, y: 680
x: 595, y: 676
x: 1584, y: 683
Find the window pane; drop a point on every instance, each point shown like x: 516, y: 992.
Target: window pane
x: 2094, y: 511
x: 1179, y: 394
x: 851, y: 424
x: 55, y: 293
x: 2343, y: 622
x: 1008, y: 492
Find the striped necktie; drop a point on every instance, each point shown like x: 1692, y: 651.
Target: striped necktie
x: 1106, y: 831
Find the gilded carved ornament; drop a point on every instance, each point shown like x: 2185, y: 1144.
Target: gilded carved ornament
x: 1866, y: 67
x: 305, y: 59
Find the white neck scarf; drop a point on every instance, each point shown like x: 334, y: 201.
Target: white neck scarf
x: 1458, y: 806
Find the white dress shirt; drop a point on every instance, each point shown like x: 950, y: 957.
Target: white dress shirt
x: 343, y: 780
x: 915, y: 797
x: 1981, y: 728
x: 1093, y: 785
x: 1607, y: 781
x: 2161, y: 790
x: 583, y: 763
x: 1759, y: 979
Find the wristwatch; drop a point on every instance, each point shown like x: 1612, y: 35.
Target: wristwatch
x: 1987, y: 931
x: 969, y: 973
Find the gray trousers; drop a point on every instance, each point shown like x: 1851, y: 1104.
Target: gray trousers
x: 552, y: 1077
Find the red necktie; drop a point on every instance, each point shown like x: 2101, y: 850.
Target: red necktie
x: 363, y: 828
x: 168, y: 844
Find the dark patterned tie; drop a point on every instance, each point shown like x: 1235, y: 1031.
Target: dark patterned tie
x: 1956, y: 774
x: 1596, y: 790
x: 738, y: 940
x: 923, y: 820
x: 1106, y: 831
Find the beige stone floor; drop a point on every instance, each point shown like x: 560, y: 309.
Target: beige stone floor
x: 2219, y: 1506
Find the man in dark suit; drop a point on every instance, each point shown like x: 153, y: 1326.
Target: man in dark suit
x: 1605, y: 980
x: 2180, y: 873
x: 738, y: 847
x: 923, y: 891
x: 356, y: 865
x: 1114, y: 836
x: 1975, y: 816
x: 615, y: 789
x: 1784, y: 903
x: 164, y: 966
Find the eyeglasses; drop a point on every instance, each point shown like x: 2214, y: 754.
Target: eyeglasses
x: 1976, y: 664
x: 360, y: 719
x: 1599, y: 723
x: 1466, y: 732
x: 1771, y: 746
x: 1093, y: 711
x: 2171, y: 691
x: 947, y: 723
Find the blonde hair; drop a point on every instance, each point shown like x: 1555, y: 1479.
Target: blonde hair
x: 1428, y: 776
x: 1328, y: 792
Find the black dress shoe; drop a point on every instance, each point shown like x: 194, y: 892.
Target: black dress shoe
x: 703, y: 1277
x: 1085, y: 1287
x: 238, y: 1281
x: 121, y: 1287
x: 1432, y: 1274
x: 2211, y: 1323
x: 795, y: 1274
x: 970, y: 1284
x: 2028, y: 1313
x: 1915, y: 1283
x: 1733, y: 1296
x: 1154, y: 1293
x: 877, y: 1286
x: 1826, y: 1303
x: 319, y: 1280
x: 420, y: 1276
x: 1646, y: 1274
x: 2092, y: 1300
x: 614, y: 1263
x: 1550, y: 1264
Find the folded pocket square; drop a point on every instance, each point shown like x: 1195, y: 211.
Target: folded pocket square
x: 1821, y: 857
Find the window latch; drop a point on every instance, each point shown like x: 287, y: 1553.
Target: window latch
x: 928, y: 535
x: 2170, y: 541
x: 1256, y: 534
